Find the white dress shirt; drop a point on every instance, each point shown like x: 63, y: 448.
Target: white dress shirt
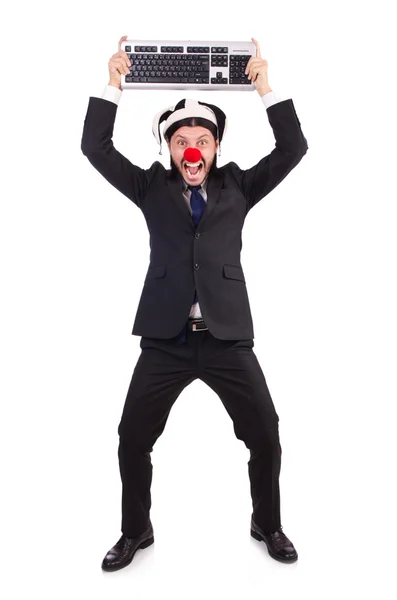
x: 113, y: 94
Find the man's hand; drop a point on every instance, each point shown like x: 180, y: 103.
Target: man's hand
x: 257, y: 71
x: 119, y: 64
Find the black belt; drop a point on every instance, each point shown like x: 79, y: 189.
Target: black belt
x: 196, y: 325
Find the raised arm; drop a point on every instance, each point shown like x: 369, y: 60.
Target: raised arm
x: 291, y: 144
x: 97, y: 144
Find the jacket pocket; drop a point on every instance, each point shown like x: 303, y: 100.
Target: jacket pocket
x: 233, y: 272
x: 155, y: 271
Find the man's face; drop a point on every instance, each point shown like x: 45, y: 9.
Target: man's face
x: 193, y: 137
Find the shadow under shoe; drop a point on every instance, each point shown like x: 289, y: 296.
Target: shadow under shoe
x: 123, y: 551
x: 278, y: 545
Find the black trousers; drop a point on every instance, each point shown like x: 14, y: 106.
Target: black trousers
x: 230, y: 367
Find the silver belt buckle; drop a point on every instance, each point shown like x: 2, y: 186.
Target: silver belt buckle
x: 194, y: 327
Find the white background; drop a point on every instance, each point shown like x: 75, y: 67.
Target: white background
x: 319, y: 255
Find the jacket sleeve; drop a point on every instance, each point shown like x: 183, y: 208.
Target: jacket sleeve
x: 97, y: 146
x: 291, y: 146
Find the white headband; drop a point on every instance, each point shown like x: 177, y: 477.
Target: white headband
x: 184, y: 109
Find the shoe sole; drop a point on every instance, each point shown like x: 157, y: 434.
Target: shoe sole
x: 258, y: 537
x: 144, y: 544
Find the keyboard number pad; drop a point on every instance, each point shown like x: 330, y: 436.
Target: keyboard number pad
x: 238, y: 64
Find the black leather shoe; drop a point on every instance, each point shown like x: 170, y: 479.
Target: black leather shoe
x: 123, y: 552
x: 278, y: 545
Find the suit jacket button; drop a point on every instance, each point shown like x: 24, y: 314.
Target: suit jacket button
x: 197, y: 235
x: 196, y: 266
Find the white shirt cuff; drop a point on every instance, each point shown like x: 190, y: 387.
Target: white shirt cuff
x: 112, y: 93
x: 271, y: 98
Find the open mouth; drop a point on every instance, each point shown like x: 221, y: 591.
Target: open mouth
x: 193, y: 169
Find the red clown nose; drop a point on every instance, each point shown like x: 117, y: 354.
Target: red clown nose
x: 192, y: 155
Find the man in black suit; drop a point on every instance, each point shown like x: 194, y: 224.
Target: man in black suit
x: 194, y: 317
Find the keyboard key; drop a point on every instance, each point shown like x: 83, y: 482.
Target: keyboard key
x: 164, y: 80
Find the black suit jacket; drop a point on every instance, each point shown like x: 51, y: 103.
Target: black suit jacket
x: 182, y: 257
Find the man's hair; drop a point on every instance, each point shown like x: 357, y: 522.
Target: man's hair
x: 192, y: 122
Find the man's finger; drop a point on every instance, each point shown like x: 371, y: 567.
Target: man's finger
x: 122, y: 40
x: 252, y: 61
x: 258, y: 52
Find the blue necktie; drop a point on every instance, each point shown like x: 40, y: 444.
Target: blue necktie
x: 197, y: 204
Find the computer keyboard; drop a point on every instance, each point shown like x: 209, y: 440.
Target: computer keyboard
x: 186, y: 64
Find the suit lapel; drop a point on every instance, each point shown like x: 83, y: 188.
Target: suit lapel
x: 214, y: 186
